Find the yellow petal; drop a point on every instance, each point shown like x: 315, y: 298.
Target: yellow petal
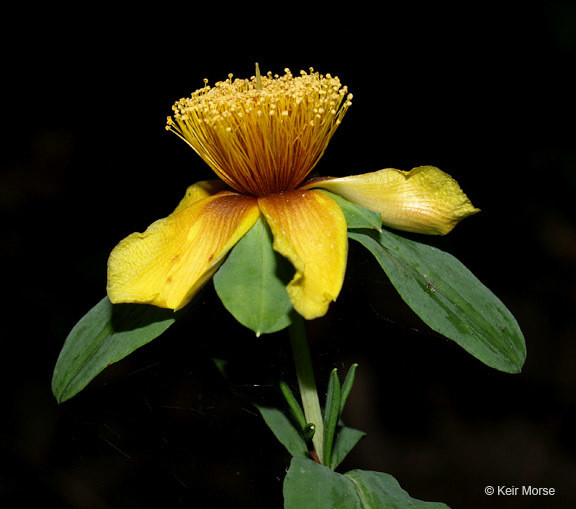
x: 310, y: 230
x: 423, y: 200
x: 199, y: 191
x: 168, y: 263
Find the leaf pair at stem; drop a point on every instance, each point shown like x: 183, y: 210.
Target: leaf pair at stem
x: 336, y: 398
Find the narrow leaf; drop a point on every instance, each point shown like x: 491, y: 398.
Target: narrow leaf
x: 284, y: 430
x: 331, y: 414
x: 310, y: 485
x: 449, y: 298
x: 293, y: 405
x: 251, y: 283
x: 105, y: 335
x: 347, y: 386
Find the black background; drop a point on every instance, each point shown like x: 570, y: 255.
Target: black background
x: 485, y: 93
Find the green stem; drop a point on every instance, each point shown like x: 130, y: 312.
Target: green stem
x: 307, y: 383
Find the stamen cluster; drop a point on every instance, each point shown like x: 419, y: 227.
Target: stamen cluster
x: 263, y: 135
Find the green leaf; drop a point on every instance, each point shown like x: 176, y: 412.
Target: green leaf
x: 331, y: 414
x: 356, y: 216
x: 251, y: 283
x: 284, y: 430
x: 309, y: 485
x: 449, y: 298
x: 382, y: 491
x: 347, y: 386
x: 293, y: 405
x: 105, y: 335
x: 346, y: 440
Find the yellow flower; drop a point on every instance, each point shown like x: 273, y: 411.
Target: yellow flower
x: 262, y: 137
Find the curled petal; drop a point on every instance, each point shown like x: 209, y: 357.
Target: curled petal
x: 199, y: 191
x: 423, y: 200
x: 168, y: 263
x: 310, y: 230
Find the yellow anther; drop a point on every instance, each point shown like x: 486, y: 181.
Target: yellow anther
x: 233, y: 125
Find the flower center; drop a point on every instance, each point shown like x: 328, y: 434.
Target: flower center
x: 263, y: 135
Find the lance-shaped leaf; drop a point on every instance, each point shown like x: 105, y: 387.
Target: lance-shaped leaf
x: 449, y: 298
x: 288, y: 433
x: 293, y: 405
x: 346, y: 440
x: 284, y: 430
x: 331, y: 414
x: 347, y: 386
x: 106, y: 334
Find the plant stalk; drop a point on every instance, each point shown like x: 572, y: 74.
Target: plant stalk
x: 307, y: 383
